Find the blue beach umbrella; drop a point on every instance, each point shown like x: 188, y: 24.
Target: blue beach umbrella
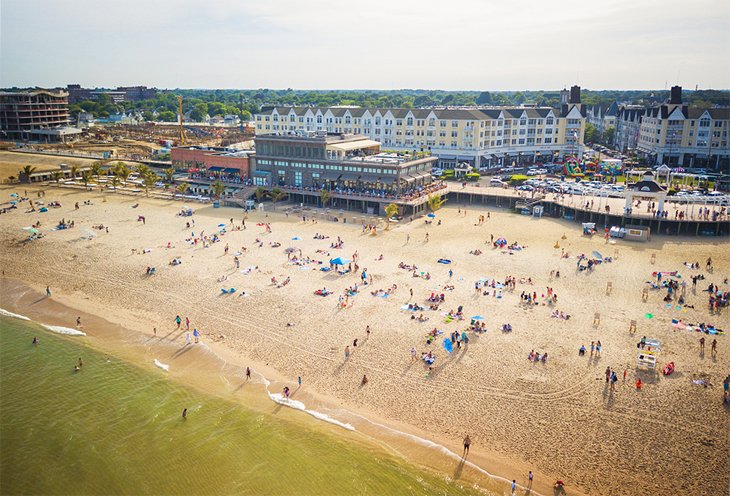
x: 477, y: 317
x: 339, y: 261
x: 296, y: 238
x: 448, y: 345
x: 431, y: 215
x: 221, y: 225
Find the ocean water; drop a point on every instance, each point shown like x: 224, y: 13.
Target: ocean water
x: 113, y: 428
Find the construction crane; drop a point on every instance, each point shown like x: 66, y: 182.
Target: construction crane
x: 182, y: 130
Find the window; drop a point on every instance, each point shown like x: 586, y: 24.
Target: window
x: 377, y: 121
x: 276, y: 118
x: 319, y: 119
x: 432, y: 122
x: 409, y: 121
x: 442, y: 123
x: 399, y: 122
x: 454, y: 123
x: 292, y: 117
x: 454, y: 134
x: 523, y: 121
x: 704, y: 122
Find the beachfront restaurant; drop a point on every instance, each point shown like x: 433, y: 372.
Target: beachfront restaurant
x: 349, y: 165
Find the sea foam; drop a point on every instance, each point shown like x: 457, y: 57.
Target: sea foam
x: 298, y: 405
x: 64, y: 330
x: 161, y: 365
x: 5, y: 313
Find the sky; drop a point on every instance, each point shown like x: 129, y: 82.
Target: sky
x: 378, y: 44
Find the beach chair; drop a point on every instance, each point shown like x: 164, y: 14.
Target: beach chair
x: 645, y: 294
x: 596, y: 319
x: 224, y: 291
x: 609, y: 287
x: 632, y: 327
x: 653, y: 258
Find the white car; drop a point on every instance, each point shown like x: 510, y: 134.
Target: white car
x: 532, y: 172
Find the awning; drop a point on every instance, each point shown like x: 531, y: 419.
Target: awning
x: 262, y: 173
x: 353, y: 145
x: 215, y: 169
x: 495, y: 157
x: 232, y: 170
x: 446, y: 157
x: 462, y: 157
x: 408, y: 179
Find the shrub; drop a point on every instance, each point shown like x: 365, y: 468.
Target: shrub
x: 518, y: 179
x: 473, y: 176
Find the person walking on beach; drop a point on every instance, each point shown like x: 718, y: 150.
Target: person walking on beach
x: 702, y: 344
x: 248, y: 374
x: 196, y: 335
x: 299, y: 380
x: 187, y: 338
x: 78, y: 321
x: 178, y: 321
x: 347, y: 352
x: 467, y: 445
x: 414, y: 354
x: 529, y: 480
x: 48, y: 291
x: 514, y: 487
x: 608, y: 374
x: 187, y: 323
x: 185, y: 413
x: 154, y: 331
x: 713, y: 347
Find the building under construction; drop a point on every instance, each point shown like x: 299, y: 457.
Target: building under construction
x: 35, y: 115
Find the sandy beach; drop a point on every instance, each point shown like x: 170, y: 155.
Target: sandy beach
x: 558, y: 418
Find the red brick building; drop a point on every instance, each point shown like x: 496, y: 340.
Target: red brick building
x: 213, y: 160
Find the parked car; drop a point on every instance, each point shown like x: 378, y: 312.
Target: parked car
x: 496, y: 182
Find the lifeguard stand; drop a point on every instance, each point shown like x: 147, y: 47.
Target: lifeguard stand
x: 646, y: 357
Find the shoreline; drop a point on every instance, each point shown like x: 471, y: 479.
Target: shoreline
x: 551, y: 419
x: 107, y: 337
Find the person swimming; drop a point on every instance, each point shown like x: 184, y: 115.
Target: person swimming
x: 35, y: 340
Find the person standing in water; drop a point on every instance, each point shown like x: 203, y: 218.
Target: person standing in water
x: 185, y: 413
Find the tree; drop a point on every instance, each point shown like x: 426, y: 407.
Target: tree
x: 199, y: 112
x: 276, y: 195
x: 590, y: 133
x: 142, y: 169
x: 121, y: 170
x: 86, y: 177
x: 169, y: 175
x: 166, y: 116
x: 609, y: 135
x: 435, y: 202
x: 96, y: 169
x: 390, y: 211
x: 115, y: 182
x: 57, y: 175
x: 484, y: 98
x: 325, y: 196
x: 74, y: 171
x: 26, y: 172
x: 218, y: 189
x: 149, y: 179
x: 182, y: 188
x: 260, y: 194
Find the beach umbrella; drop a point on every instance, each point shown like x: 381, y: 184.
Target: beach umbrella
x: 296, y: 238
x: 448, y: 345
x: 598, y: 255
x: 339, y: 261
x: 477, y: 317
x: 221, y: 225
x: 14, y: 195
x: 431, y: 216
